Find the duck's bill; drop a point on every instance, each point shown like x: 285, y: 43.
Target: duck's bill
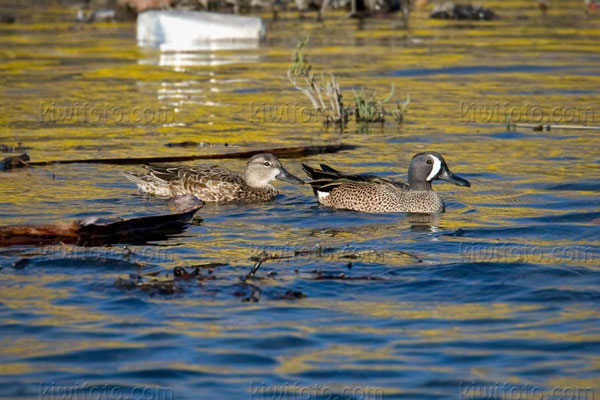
x: 286, y: 176
x: 448, y: 176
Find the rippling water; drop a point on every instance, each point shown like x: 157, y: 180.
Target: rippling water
x: 500, y: 292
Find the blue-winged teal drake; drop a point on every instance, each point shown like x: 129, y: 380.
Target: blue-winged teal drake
x: 212, y: 183
x: 369, y: 193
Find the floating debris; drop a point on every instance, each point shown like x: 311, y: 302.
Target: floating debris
x: 153, y: 286
x: 290, y: 295
x: 12, y: 162
x: 548, y: 127
x: 188, y: 143
x: 255, y: 268
x: 152, y: 273
x: 316, y: 249
x: 96, y: 232
x: 281, y: 152
x: 250, y: 292
x: 320, y: 276
x: 12, y: 149
x: 182, y: 273
x: 191, y: 143
x: 209, y: 265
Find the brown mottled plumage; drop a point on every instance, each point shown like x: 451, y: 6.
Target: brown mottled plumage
x: 212, y: 183
x: 369, y: 193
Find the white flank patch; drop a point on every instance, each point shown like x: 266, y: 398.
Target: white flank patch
x: 437, y: 165
x: 322, y: 195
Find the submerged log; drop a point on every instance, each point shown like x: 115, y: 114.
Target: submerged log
x: 38, y: 234
x: 282, y: 152
x: 138, y: 230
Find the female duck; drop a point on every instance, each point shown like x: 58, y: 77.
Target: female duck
x: 212, y: 183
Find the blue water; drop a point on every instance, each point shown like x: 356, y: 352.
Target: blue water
x: 495, y: 299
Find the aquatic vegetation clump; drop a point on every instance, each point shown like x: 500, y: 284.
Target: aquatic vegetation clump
x: 401, y: 109
x: 370, y: 110
x: 326, y: 98
x: 325, y: 95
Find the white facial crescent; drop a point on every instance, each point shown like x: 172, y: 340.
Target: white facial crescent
x: 435, y: 168
x: 274, y: 173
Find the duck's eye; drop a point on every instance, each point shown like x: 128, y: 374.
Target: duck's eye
x: 429, y: 162
x: 267, y: 164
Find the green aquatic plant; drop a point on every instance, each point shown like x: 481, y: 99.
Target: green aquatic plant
x: 401, y: 109
x: 370, y: 110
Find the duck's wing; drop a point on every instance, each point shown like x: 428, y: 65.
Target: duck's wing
x: 200, y: 176
x: 327, y: 178
x: 207, y: 182
x: 164, y: 173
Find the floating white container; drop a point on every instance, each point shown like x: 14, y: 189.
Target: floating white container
x: 194, y: 30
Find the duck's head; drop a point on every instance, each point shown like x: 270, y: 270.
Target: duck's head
x: 263, y: 168
x: 428, y: 166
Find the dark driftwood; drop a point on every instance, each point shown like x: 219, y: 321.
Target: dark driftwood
x: 38, y: 234
x: 11, y: 162
x: 126, y: 231
x: 284, y: 152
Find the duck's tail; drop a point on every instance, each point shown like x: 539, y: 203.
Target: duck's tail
x: 324, y: 179
x: 134, y: 177
x: 147, y: 183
